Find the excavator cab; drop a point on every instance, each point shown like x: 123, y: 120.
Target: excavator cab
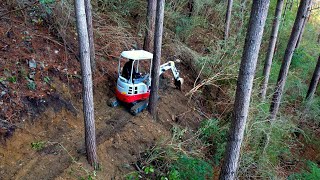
x: 133, y: 83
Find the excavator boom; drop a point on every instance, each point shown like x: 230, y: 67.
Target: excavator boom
x: 171, y: 65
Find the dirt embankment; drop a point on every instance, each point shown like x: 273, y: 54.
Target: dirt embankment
x: 40, y: 96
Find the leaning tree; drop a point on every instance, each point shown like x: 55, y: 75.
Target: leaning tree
x: 248, y: 64
x: 276, y: 98
x: 271, y: 48
x: 304, y: 23
x: 314, y: 81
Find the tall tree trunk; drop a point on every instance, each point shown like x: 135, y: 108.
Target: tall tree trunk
x: 228, y: 19
x: 314, y: 81
x: 151, y: 16
x: 190, y: 7
x: 153, y: 100
x: 302, y: 11
x: 88, y: 108
x: 304, y: 24
x: 248, y: 64
x: 271, y: 48
x: 88, y: 8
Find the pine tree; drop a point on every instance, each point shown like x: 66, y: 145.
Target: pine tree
x: 271, y: 48
x: 151, y: 16
x: 258, y: 17
x: 301, y: 15
x: 153, y: 100
x: 88, y: 107
x: 314, y: 81
x: 228, y: 19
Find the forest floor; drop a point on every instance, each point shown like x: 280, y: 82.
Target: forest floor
x: 41, y: 120
x: 42, y: 132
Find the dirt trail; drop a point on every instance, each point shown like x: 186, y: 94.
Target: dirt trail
x: 121, y: 137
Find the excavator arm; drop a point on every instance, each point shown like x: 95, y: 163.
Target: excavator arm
x: 171, y: 65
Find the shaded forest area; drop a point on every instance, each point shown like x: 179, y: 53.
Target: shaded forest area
x: 41, y: 118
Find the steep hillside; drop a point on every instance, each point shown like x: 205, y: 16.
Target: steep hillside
x: 41, y: 119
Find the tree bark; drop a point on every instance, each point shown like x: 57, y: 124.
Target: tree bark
x: 248, y: 64
x: 153, y: 100
x: 302, y: 11
x: 88, y: 107
x: 88, y: 8
x: 151, y: 16
x: 271, y: 48
x: 190, y: 7
x: 304, y: 24
x: 228, y: 19
x: 314, y: 81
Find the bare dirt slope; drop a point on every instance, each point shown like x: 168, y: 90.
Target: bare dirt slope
x: 121, y: 137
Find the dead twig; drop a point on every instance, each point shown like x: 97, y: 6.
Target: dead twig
x: 54, y: 41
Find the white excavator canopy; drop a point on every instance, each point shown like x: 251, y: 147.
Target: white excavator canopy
x: 137, y: 55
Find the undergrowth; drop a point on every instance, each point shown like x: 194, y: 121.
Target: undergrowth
x: 313, y: 173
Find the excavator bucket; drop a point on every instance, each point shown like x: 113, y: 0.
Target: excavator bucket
x: 178, y: 83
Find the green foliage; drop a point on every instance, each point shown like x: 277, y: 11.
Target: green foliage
x: 132, y: 176
x: 300, y: 59
x: 46, y: 1
x: 177, y: 158
x: 39, y: 145
x: 266, y: 144
x: 216, y: 135
x: 47, y: 7
x: 123, y: 8
x: 186, y: 25
x: 148, y: 169
x: 313, y: 173
x: 31, y: 85
x: 174, y: 175
x: 47, y: 79
x: 12, y: 79
x: 189, y: 168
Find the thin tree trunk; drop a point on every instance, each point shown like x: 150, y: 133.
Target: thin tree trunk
x: 289, y: 4
x: 258, y: 17
x: 190, y: 7
x: 314, y: 81
x: 228, y: 19
x: 153, y: 101
x: 243, y: 10
x: 271, y: 49
x: 88, y: 107
x: 304, y: 24
x: 302, y: 11
x: 151, y: 16
x: 88, y: 8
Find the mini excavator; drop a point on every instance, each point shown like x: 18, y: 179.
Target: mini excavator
x: 133, y: 88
